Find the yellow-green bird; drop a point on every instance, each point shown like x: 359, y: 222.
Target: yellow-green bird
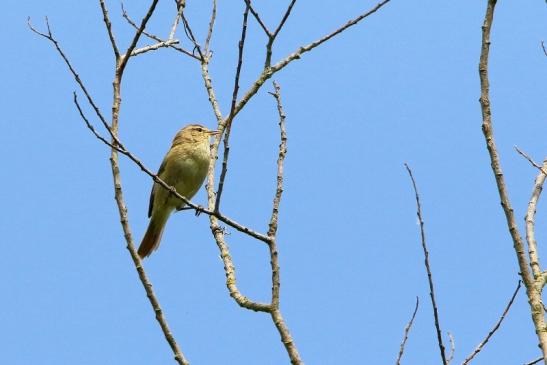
x: 184, y: 167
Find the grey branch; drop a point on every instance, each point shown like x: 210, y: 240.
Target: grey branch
x: 495, y: 328
x: 428, y: 268
x: 408, y: 327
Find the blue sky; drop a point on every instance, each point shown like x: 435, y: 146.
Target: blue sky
x: 400, y: 87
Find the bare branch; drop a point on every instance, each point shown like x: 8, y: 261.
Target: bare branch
x: 495, y: 328
x: 533, y: 293
x: 228, y: 123
x: 153, y: 47
x: 543, y: 47
x: 108, y: 25
x: 180, y: 9
x: 276, y: 281
x: 190, y: 35
x: 530, y: 226
x: 286, y: 338
x: 452, y: 348
x: 533, y: 362
x: 532, y: 162
x: 529, y: 218
x: 258, y: 19
x: 284, y: 19
x: 428, y: 268
x: 280, y: 161
x: 211, y: 26
x: 407, y: 331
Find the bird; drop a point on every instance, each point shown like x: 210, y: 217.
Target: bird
x: 184, y: 167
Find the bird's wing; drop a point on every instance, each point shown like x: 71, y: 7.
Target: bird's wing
x: 151, y: 204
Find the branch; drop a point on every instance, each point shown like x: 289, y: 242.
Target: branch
x: 534, y: 361
x: 190, y: 35
x: 452, y: 348
x: 428, y: 269
x: 228, y: 123
x: 529, y: 218
x: 258, y: 19
x: 211, y: 26
x: 530, y: 227
x: 532, y: 162
x: 407, y: 331
x: 533, y: 294
x: 274, y: 262
x: 153, y: 47
x: 180, y: 9
x: 273, y: 36
x: 284, y: 19
x: 108, y: 25
x: 280, y: 161
x: 495, y: 328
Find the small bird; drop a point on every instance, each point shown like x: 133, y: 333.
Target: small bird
x: 184, y: 167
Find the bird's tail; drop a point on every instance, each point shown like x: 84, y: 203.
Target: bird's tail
x: 152, y: 237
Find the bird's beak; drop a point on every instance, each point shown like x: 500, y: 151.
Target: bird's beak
x: 213, y: 133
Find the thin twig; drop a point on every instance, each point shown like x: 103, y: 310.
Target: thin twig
x: 406, y: 332
x: 530, y: 227
x: 533, y: 362
x: 108, y: 25
x: 284, y: 19
x: 428, y: 268
x: 190, y: 35
x: 280, y: 161
x: 155, y: 46
x: 496, y: 326
x: 228, y: 124
x: 211, y: 26
x: 452, y: 348
x: 533, y: 293
x: 176, y: 22
x: 258, y: 19
x: 529, y: 218
x: 532, y: 162
x: 543, y: 47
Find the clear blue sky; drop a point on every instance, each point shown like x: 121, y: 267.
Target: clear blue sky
x: 400, y: 87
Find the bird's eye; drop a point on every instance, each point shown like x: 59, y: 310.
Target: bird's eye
x: 200, y: 129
